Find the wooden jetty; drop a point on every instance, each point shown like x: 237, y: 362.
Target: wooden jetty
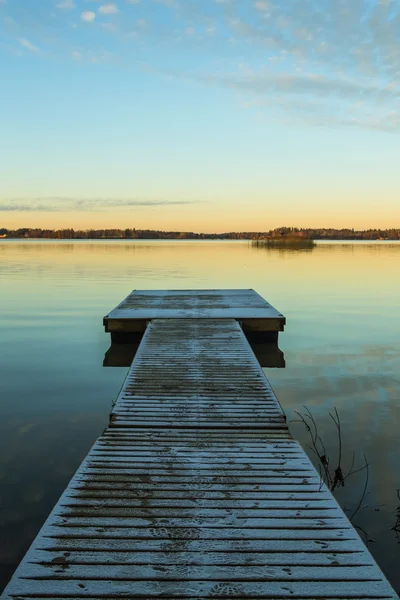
x: 196, y: 489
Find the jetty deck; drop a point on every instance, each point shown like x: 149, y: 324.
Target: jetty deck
x: 255, y: 314
x: 196, y: 489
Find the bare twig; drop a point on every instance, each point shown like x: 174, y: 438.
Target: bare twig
x: 317, y: 446
x: 396, y: 526
x: 358, y: 470
x: 364, y: 490
x: 367, y: 538
x: 350, y: 471
x: 317, y: 436
x: 336, y: 420
x: 331, y: 474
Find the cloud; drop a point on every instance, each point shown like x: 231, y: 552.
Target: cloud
x: 322, y: 55
x: 304, y: 83
x: 28, y: 45
x: 307, y: 98
x: 310, y: 61
x: 66, y: 4
x: 104, y: 203
x: 108, y: 9
x: 9, y: 207
x: 170, y: 3
x: 262, y: 5
x: 294, y: 111
x: 63, y: 204
x: 88, y: 16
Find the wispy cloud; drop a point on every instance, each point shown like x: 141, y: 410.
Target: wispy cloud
x: 66, y: 5
x: 63, y: 204
x: 314, y: 62
x: 262, y: 5
x: 88, y: 16
x: 326, y: 55
x: 108, y: 9
x: 15, y: 207
x: 28, y: 45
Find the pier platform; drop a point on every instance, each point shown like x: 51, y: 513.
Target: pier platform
x: 256, y: 316
x: 197, y: 489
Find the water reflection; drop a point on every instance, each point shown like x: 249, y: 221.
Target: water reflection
x: 120, y: 355
x: 39, y: 455
x: 284, y: 249
x: 269, y: 355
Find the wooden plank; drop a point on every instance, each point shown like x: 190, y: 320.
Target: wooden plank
x: 279, y: 501
x: 183, y: 588
x: 141, y: 572
x: 203, y: 438
x: 200, y: 548
x: 127, y: 556
x: 211, y: 515
x: 237, y: 542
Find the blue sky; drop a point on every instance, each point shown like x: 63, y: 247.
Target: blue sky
x: 200, y: 114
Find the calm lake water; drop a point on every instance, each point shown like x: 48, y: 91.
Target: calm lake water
x: 341, y: 346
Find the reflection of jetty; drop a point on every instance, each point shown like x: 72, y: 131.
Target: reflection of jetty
x: 197, y: 489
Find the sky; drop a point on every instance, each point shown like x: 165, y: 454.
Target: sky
x: 199, y: 115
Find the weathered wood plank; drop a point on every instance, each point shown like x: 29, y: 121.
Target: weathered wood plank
x: 244, y: 461
x: 202, y: 558
x: 341, y: 548
x: 199, y: 485
x: 178, y: 513
x: 169, y: 498
x: 198, y: 481
x: 200, y: 439
x: 75, y: 519
x: 243, y: 572
x: 129, y: 423
x: 208, y: 504
x: 182, y: 588
x: 293, y: 556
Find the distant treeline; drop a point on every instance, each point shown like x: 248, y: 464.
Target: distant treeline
x: 151, y: 234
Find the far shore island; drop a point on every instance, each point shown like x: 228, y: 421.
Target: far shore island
x: 281, y: 236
